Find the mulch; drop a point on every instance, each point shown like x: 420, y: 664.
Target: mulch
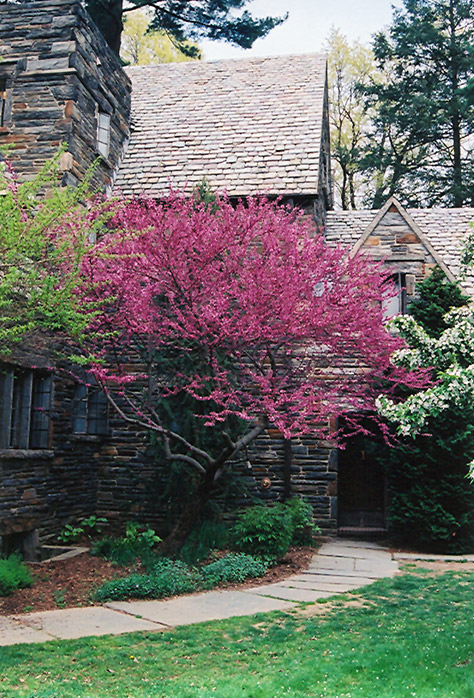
x: 69, y: 583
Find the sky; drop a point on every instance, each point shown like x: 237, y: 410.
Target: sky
x: 308, y: 25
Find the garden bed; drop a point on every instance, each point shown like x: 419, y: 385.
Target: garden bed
x: 68, y: 583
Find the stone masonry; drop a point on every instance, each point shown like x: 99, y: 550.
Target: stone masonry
x: 59, y: 74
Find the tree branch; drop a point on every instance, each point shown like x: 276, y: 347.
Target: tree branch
x: 181, y: 456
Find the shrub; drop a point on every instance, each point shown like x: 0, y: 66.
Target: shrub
x: 235, y: 567
x: 209, y: 535
x: 126, y: 550
x: 14, y: 574
x: 431, y: 500
x: 302, y: 521
x: 87, y: 527
x: 70, y: 534
x: 167, y: 578
x: 263, y: 531
x: 435, y: 297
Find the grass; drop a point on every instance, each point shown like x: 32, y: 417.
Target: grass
x: 411, y: 636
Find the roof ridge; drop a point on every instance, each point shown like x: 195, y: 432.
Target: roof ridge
x: 247, y: 59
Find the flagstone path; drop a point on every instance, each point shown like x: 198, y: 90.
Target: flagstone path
x: 337, y: 567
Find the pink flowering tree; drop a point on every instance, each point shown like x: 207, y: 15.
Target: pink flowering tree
x: 240, y: 314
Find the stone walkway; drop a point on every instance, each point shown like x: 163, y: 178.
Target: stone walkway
x: 338, y: 566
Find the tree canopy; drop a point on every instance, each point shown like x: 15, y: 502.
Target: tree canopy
x: 238, y: 314
x: 350, y: 66
x: 421, y: 147
x: 431, y: 503
x: 184, y: 21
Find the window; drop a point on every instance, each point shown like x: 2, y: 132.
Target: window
x: 3, y: 101
x: 90, y: 411
x: 404, y: 288
x: 103, y: 133
x: 25, y: 409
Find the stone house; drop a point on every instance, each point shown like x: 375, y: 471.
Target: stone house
x: 247, y: 126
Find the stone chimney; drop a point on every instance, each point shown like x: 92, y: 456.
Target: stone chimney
x: 60, y: 83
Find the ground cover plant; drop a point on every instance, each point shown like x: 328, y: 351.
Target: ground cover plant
x: 410, y: 636
x: 136, y: 544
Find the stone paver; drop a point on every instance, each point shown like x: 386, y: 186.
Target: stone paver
x: 280, y: 591
x: 13, y: 633
x: 403, y: 557
x: 210, y: 605
x: 71, y: 623
x: 335, y: 586
x: 339, y: 566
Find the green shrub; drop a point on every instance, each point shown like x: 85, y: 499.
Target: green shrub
x: 14, y: 574
x: 136, y: 544
x: 302, y: 521
x: 235, y: 567
x: 431, y: 500
x: 209, y: 535
x: 263, y: 531
x: 167, y: 578
x: 86, y: 527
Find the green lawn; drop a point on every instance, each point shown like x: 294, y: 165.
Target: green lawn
x: 412, y: 636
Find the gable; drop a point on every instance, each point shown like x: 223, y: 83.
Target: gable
x: 247, y: 126
x: 394, y: 237
x: 409, y: 240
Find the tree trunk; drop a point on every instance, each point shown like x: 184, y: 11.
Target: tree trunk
x: 457, y: 187
x: 107, y: 15
x: 187, y: 519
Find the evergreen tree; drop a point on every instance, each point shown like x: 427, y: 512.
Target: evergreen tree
x: 422, y: 141
x: 221, y: 20
x: 436, y: 296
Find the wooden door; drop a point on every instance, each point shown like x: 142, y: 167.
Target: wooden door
x: 361, y: 486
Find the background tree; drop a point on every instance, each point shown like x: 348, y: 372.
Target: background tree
x: 143, y: 47
x: 421, y: 147
x: 240, y: 313
x: 220, y: 20
x: 350, y: 66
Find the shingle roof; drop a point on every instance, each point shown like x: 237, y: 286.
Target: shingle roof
x: 445, y: 229
x: 245, y: 125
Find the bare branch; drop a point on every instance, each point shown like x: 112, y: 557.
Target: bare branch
x: 181, y: 456
x: 157, y: 428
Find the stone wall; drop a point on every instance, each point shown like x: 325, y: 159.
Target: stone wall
x: 59, y: 73
x: 131, y: 482
x: 42, y: 490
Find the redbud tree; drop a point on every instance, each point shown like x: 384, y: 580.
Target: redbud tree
x: 240, y: 315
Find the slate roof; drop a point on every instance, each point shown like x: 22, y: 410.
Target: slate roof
x: 445, y: 229
x: 246, y: 125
